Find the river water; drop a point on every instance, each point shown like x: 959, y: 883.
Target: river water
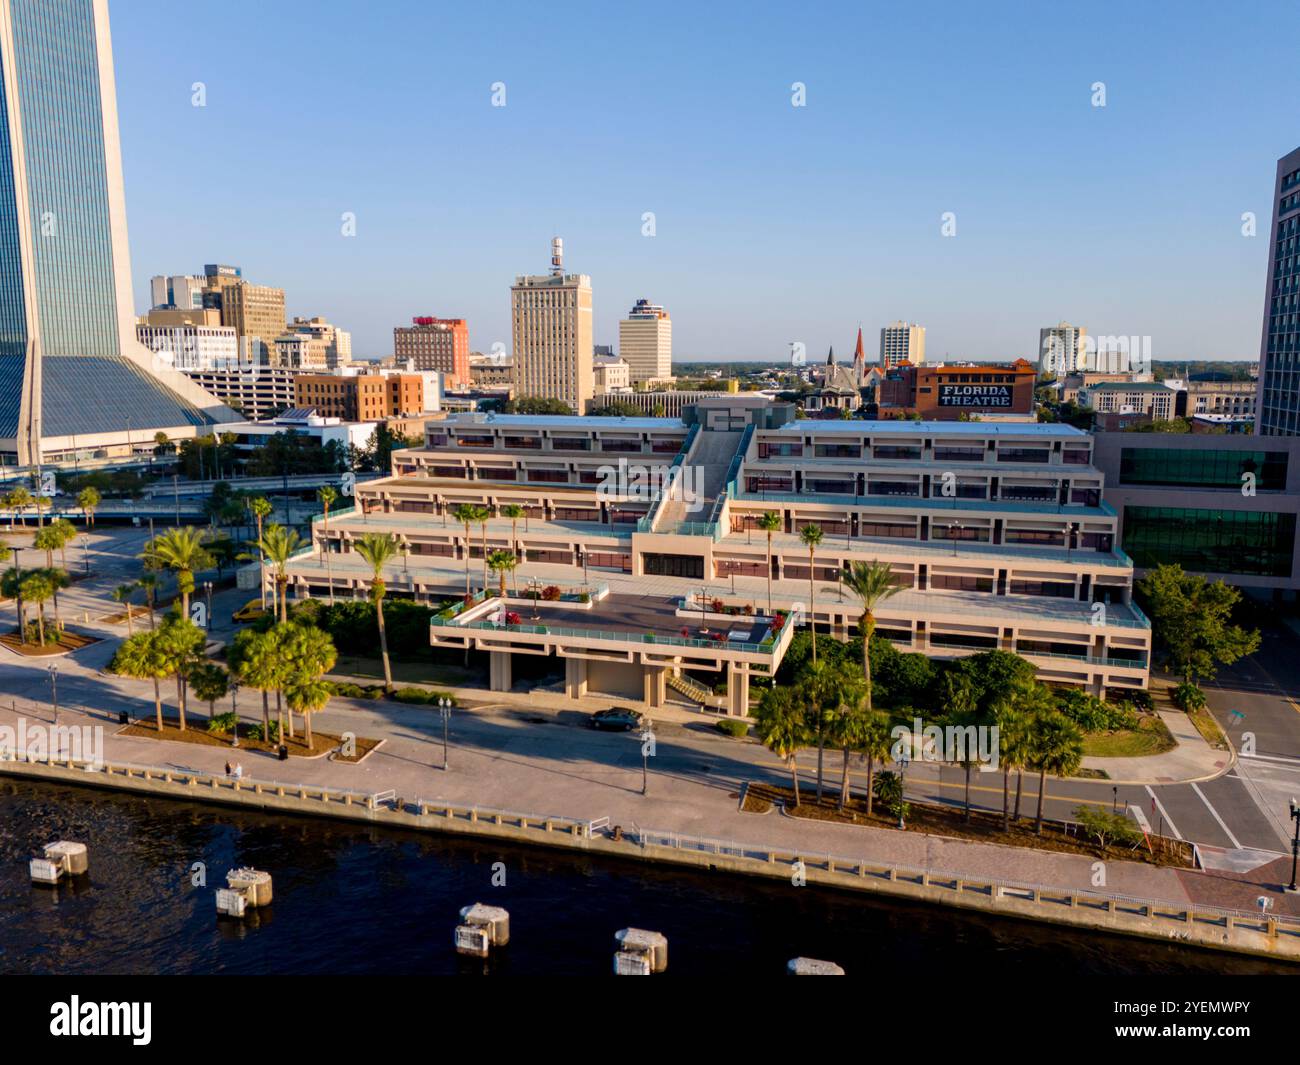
x: 365, y: 900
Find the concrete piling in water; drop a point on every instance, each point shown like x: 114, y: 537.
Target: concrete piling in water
x: 58, y: 860
x: 482, y: 928
x: 640, y: 953
x: 247, y: 889
x: 812, y: 967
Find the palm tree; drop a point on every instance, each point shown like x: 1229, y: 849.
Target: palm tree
x: 783, y: 729
x: 1056, y: 747
x: 514, y: 512
x: 58, y: 579
x: 501, y: 563
x: 482, y: 515
x: 278, y: 545
x: 210, y: 683
x: 327, y: 496
x: 819, y: 689
x: 871, y: 582
x: 307, y: 654
x: 36, y: 588
x: 18, y: 500
x: 378, y: 550
x: 848, y: 728
x: 875, y: 746
x: 88, y: 499
x: 811, y: 535
x: 465, y: 513
x: 261, y: 508
x: 180, y: 643
x: 48, y: 540
x: 64, y: 533
x: 141, y: 657
x: 148, y: 582
x: 183, y: 551
x: 770, y: 523
x: 255, y: 661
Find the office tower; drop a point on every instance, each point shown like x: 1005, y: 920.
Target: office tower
x: 1062, y: 349
x: 437, y: 344
x: 72, y: 374
x: 190, y: 346
x: 645, y: 342
x: 335, y: 342
x: 1278, y: 402
x: 181, y: 292
x: 256, y: 312
x: 902, y: 342
x: 551, y: 327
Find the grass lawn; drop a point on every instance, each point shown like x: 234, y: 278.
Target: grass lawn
x: 371, y: 671
x: 1150, y: 737
x: 1209, y: 729
x: 197, y: 732
x: 68, y: 641
x: 984, y: 827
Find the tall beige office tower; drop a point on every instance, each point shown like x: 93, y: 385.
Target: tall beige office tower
x: 645, y: 342
x: 257, y: 314
x: 550, y: 318
x: 902, y: 342
x: 1062, y: 349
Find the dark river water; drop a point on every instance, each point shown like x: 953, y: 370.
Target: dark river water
x: 356, y: 899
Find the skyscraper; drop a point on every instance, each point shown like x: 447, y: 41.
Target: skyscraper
x: 71, y: 368
x: 551, y: 326
x: 1062, y: 349
x: 902, y: 342
x: 645, y: 342
x: 1277, y: 406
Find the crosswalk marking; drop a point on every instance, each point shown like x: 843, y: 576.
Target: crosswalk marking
x: 1164, y: 813
x: 1215, y: 812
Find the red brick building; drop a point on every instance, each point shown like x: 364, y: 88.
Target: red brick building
x: 440, y: 344
x: 945, y: 393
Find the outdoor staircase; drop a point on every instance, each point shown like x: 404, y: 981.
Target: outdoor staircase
x: 693, y: 690
x: 710, y: 457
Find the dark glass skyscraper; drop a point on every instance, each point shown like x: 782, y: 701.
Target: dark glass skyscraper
x: 72, y: 374
x: 1278, y: 401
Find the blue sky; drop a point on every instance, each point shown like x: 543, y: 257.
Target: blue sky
x: 773, y: 223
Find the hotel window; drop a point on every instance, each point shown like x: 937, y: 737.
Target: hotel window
x: 1211, y: 541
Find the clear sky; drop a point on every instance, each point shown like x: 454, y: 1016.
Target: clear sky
x: 773, y: 223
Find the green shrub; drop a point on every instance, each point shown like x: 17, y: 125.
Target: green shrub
x: 731, y: 727
x: 1095, y: 715
x: 421, y: 696
x: 223, y: 723
x: 1187, y: 696
x: 255, y: 732
x: 1106, y: 827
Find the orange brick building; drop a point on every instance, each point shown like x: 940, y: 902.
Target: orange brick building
x: 945, y: 393
x: 361, y: 397
x: 440, y: 344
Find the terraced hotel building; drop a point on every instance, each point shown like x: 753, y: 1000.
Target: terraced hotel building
x: 997, y: 535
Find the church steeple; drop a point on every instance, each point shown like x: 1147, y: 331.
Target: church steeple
x: 859, y: 354
x: 830, y: 356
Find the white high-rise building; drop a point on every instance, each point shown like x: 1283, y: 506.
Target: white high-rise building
x: 902, y: 342
x: 1062, y: 349
x: 550, y: 317
x: 183, y: 292
x: 645, y: 342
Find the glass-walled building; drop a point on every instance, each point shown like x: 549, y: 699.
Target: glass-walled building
x: 1224, y: 506
x: 70, y: 364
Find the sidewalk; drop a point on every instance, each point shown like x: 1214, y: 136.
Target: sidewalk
x: 1192, y: 761
x: 496, y: 760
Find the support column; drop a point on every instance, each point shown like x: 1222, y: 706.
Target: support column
x: 656, y: 686
x: 575, y: 677
x: 499, y: 672
x: 737, y: 691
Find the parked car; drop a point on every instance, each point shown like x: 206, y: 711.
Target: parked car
x: 250, y: 611
x: 617, y: 719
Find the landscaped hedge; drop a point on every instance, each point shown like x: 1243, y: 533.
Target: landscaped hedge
x: 732, y: 727
x: 421, y: 696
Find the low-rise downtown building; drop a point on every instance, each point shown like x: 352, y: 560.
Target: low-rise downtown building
x: 997, y: 535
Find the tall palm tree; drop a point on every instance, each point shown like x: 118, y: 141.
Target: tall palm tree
x: 1056, y: 747
x: 514, y: 512
x: 210, y: 683
x: 871, y: 582
x: 64, y: 532
x: 278, y: 545
x: 848, y: 728
x: 36, y: 588
x: 148, y: 583
x: 307, y: 654
x: 18, y: 500
x: 59, y: 580
x: 88, y: 499
x: 482, y: 515
x: 378, y: 550
x: 261, y: 508
x: 818, y: 689
x: 183, y: 551
x: 501, y: 563
x: 180, y: 643
x: 465, y: 514
x: 783, y: 729
x: 770, y: 523
x: 811, y: 535
x: 141, y: 657
x: 875, y: 747
x: 306, y: 697
x: 327, y: 496
x: 47, y: 540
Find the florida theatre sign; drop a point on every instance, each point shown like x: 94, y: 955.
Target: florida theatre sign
x: 975, y: 395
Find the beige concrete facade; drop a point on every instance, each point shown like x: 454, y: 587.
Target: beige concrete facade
x: 645, y: 343
x: 551, y: 328
x: 902, y: 342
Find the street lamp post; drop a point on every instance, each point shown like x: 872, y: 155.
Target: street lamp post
x: 444, y: 705
x: 85, y: 553
x: 704, y: 623
x: 647, y: 742
x: 1295, y: 845
x: 234, y: 709
x: 903, y: 763
x: 54, y: 697
x: 207, y: 592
